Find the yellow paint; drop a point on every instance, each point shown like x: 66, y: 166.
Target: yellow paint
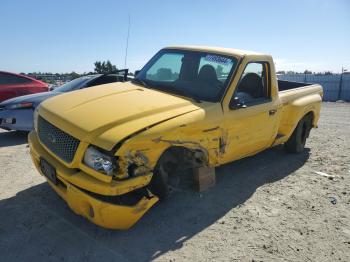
x: 147, y: 122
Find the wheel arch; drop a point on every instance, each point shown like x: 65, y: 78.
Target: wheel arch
x: 196, y: 155
x: 173, y: 159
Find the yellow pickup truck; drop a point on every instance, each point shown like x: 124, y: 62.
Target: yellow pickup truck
x: 111, y: 152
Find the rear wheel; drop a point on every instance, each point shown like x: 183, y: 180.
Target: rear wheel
x: 296, y: 143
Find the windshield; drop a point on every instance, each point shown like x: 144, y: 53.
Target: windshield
x: 74, y: 84
x: 198, y: 75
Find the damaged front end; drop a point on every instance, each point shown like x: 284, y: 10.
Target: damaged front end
x: 116, y: 203
x: 133, y: 164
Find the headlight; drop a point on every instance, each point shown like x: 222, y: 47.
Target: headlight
x: 35, y: 119
x: 98, y: 161
x: 22, y: 105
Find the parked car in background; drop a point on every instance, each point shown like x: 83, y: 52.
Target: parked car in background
x: 13, y: 85
x: 17, y: 113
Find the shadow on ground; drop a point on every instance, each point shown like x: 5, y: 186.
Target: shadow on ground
x: 13, y: 138
x: 37, y: 225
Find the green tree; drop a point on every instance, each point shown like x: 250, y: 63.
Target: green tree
x: 104, y: 67
x: 98, y: 67
x: 74, y: 75
x: 109, y: 67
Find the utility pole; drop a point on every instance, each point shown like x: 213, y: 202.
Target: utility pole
x: 127, y: 42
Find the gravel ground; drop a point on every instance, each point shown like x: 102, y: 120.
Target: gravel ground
x: 272, y: 206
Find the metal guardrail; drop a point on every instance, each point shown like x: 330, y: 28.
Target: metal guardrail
x: 335, y: 87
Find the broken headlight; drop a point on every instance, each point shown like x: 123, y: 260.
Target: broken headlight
x: 98, y: 161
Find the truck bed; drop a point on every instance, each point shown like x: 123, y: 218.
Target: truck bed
x: 291, y: 91
x: 297, y: 98
x: 284, y: 85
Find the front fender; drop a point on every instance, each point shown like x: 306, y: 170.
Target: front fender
x: 196, y: 131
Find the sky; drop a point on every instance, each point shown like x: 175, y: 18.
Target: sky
x: 65, y: 35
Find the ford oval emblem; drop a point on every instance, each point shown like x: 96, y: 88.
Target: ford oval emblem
x: 51, y: 138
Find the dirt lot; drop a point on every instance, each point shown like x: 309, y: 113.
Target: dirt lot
x: 269, y: 207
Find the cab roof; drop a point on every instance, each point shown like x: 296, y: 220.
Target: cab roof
x: 220, y: 50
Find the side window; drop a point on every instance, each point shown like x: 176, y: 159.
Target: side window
x: 8, y: 79
x: 254, y: 83
x: 167, y: 68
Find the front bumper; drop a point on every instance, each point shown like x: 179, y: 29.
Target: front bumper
x: 22, y: 119
x: 101, y: 213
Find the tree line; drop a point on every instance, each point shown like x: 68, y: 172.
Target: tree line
x: 100, y: 67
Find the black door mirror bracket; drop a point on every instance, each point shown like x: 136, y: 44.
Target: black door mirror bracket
x: 236, y: 103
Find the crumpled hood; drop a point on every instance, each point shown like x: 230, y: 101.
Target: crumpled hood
x: 91, y: 113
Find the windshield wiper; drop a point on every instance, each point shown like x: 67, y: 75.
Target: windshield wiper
x: 188, y: 94
x: 180, y: 92
x: 183, y: 92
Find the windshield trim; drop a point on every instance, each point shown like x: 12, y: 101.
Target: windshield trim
x: 226, y: 84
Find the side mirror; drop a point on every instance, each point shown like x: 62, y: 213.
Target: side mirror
x: 136, y: 72
x: 235, y: 103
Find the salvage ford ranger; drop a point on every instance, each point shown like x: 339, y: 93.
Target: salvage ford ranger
x: 112, y: 151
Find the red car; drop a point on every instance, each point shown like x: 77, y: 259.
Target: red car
x: 13, y: 85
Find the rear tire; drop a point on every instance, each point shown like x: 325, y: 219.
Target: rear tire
x: 296, y: 142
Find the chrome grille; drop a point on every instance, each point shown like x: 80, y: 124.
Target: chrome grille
x: 59, y: 142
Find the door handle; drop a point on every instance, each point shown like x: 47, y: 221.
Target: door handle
x: 272, y: 112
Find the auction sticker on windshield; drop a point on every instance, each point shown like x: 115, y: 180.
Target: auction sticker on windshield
x: 218, y: 59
